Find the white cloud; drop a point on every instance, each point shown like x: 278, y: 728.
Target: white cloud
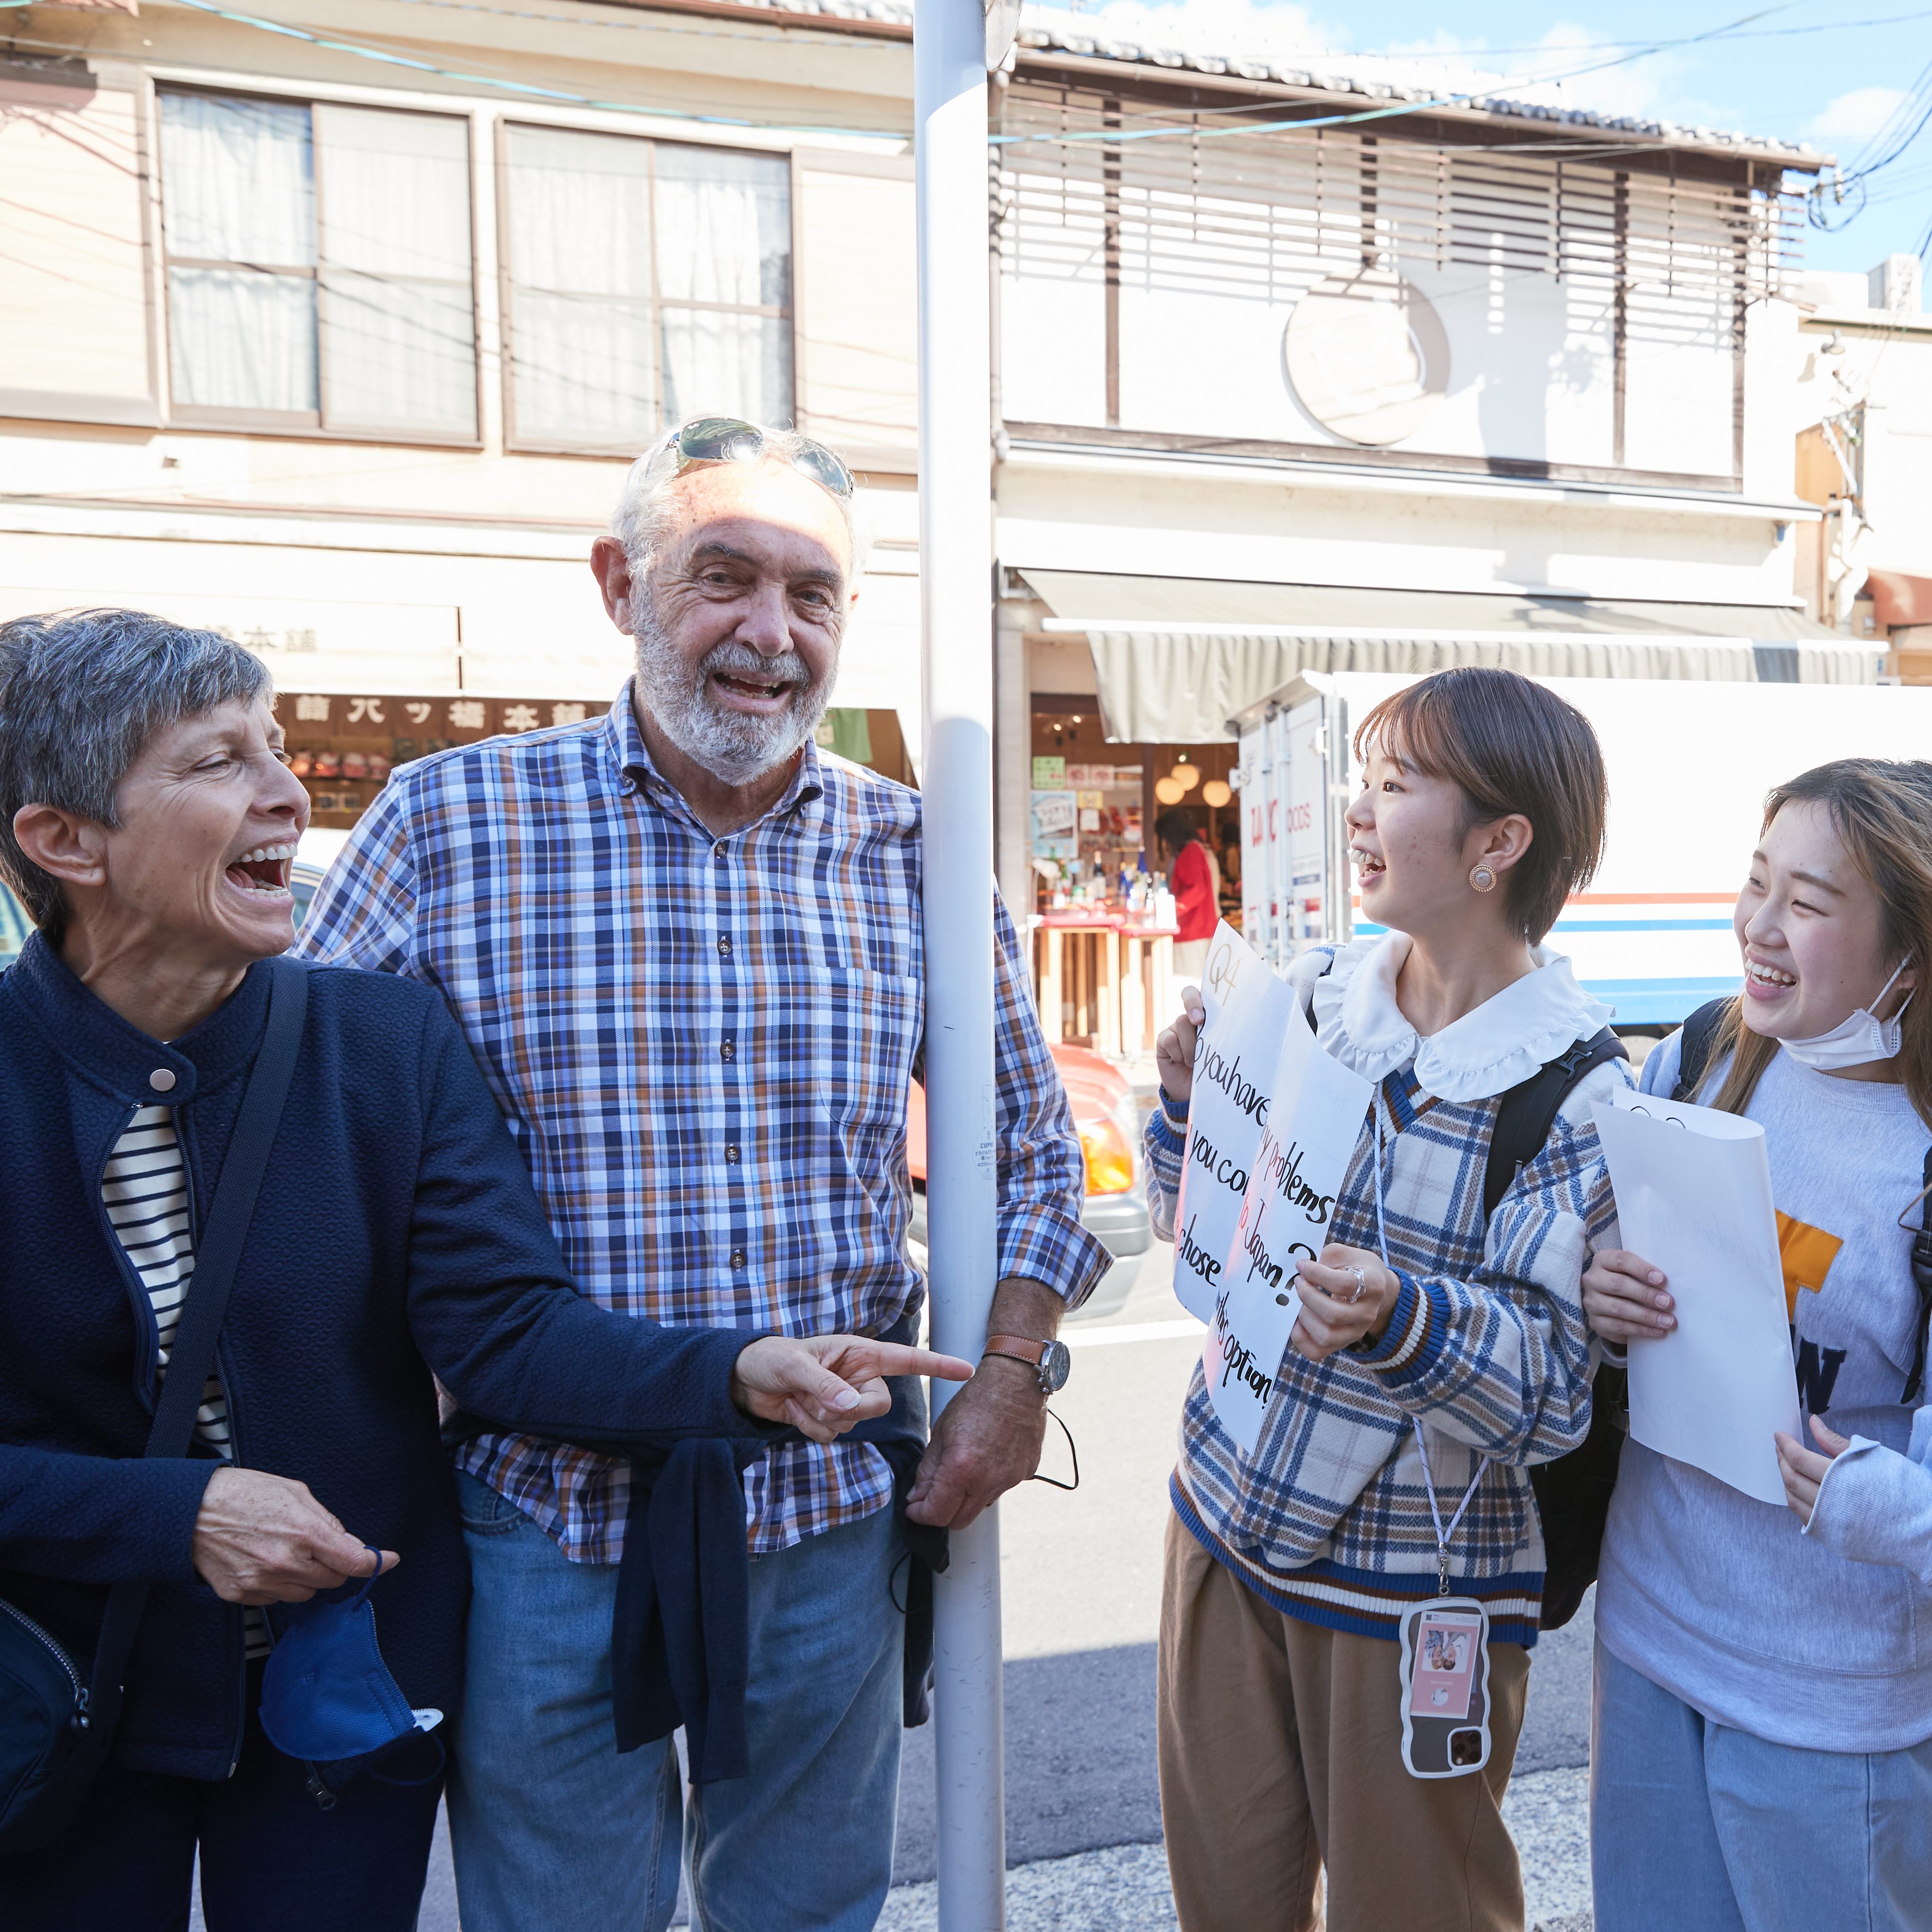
x: 1856, y: 116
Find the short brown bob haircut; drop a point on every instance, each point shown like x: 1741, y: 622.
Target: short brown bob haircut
x: 1511, y: 745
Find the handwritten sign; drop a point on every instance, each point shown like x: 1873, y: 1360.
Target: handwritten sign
x: 1315, y: 1118
x: 1248, y: 1010
x: 1693, y: 1197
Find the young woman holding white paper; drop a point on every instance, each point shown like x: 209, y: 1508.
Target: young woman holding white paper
x: 1291, y: 1571
x: 1762, y: 1748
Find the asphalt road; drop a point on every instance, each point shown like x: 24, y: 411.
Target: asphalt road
x: 1081, y: 1581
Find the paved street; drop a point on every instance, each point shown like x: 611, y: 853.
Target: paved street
x: 1081, y: 1580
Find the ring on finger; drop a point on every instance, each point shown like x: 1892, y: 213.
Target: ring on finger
x: 1361, y: 1285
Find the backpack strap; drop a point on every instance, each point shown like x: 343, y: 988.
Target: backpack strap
x: 1528, y: 1110
x: 1921, y: 1279
x: 1694, y: 1051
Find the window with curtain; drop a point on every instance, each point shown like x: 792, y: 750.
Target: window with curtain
x: 318, y: 265
x: 647, y: 282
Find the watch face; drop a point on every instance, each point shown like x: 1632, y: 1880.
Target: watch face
x: 1055, y: 1364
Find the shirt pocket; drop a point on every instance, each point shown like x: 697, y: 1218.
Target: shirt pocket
x: 853, y: 1038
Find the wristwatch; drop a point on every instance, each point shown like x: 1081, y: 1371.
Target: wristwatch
x: 1051, y: 1360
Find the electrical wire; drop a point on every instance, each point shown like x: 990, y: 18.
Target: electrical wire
x: 527, y: 89
x: 1112, y: 135
x: 1544, y: 47
x: 1839, y: 200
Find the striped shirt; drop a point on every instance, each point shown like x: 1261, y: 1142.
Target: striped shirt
x: 144, y: 1189
x: 703, y: 1047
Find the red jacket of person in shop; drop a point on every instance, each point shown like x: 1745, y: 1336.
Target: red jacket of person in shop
x: 1195, y: 891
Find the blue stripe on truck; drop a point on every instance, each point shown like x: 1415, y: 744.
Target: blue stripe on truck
x: 1610, y: 925
x: 1644, y: 1002
x: 1643, y: 926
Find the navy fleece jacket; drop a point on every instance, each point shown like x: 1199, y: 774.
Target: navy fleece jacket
x: 396, y: 1237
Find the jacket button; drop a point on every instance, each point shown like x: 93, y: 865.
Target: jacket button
x: 731, y: 1151
x: 729, y: 1050
x: 162, y: 1080
x: 723, y: 946
x: 737, y: 1257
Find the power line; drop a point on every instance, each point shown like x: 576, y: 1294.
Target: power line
x: 1836, y: 203
x: 527, y: 89
x: 1114, y: 135
x: 1544, y: 47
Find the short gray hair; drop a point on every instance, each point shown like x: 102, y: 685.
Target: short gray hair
x: 81, y: 693
x: 642, y: 517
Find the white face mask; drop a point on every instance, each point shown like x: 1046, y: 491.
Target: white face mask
x: 1856, y: 1040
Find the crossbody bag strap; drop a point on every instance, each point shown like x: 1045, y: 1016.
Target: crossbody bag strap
x: 216, y: 1259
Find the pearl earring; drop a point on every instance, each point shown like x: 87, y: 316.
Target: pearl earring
x: 1482, y: 880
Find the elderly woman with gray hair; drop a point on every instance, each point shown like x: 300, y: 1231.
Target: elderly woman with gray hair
x: 147, y: 821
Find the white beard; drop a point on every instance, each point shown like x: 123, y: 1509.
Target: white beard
x: 731, y: 745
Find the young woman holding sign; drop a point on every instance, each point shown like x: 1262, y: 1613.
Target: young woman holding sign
x: 1441, y: 1348
x: 1763, y: 1736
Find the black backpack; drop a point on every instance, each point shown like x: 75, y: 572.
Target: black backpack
x: 1700, y: 1030
x: 1573, y: 1493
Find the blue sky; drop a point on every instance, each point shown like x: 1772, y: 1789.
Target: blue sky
x: 1806, y: 70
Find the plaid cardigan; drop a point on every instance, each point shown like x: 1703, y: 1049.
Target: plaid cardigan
x: 1329, y: 1521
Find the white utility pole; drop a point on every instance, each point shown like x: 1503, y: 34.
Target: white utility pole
x: 950, y: 46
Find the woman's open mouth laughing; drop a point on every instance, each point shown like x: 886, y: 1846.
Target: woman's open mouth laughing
x: 1764, y: 981
x: 263, y: 871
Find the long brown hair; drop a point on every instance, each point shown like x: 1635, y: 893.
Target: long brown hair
x: 1881, y: 809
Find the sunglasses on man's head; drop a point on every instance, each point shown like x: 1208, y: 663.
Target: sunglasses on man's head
x: 726, y: 440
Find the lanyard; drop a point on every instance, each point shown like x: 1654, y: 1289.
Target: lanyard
x: 1442, y: 1536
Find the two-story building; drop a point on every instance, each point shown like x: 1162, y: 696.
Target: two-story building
x: 1295, y: 375
x: 341, y: 337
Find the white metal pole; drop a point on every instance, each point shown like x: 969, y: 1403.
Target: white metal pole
x: 956, y: 542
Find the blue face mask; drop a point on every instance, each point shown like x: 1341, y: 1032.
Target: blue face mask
x: 327, y: 1696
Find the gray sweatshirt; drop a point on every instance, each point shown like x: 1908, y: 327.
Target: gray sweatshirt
x: 1727, y: 1602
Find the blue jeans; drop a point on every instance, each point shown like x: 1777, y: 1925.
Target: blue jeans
x: 550, y: 1827
x: 1695, y: 1827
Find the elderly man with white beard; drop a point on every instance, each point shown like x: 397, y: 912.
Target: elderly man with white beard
x: 686, y: 946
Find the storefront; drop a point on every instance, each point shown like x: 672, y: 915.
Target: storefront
x: 1096, y: 804
x: 343, y: 746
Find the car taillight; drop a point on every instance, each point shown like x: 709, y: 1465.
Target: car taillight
x: 1110, y: 1162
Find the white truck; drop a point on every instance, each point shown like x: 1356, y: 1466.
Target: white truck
x: 1689, y: 762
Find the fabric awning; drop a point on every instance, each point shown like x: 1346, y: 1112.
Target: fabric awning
x: 1175, y: 658
x: 1898, y: 600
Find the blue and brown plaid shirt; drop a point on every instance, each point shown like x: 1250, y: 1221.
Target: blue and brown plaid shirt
x: 702, y: 1046
x: 1487, y: 1346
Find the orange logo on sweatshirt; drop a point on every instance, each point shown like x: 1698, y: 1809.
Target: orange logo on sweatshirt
x: 1808, y: 1253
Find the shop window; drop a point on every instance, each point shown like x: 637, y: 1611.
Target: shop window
x: 647, y: 282
x: 318, y: 266
x: 343, y: 746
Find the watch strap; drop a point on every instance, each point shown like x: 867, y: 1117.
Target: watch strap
x: 1026, y: 1349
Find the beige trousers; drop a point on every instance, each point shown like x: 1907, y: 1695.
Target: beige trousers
x: 1281, y: 1754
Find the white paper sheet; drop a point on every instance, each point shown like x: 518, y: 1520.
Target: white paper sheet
x: 1315, y: 1110
x: 1693, y: 1199
x: 1248, y: 1010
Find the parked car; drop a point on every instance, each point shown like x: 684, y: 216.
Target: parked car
x: 1115, y: 1208
x: 304, y: 879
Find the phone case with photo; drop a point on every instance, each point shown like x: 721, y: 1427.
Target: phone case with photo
x: 1445, y: 1688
